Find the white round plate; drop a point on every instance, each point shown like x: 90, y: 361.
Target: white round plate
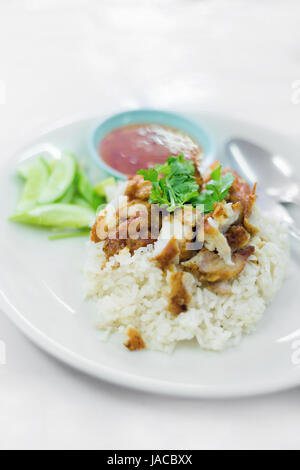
x: 40, y: 290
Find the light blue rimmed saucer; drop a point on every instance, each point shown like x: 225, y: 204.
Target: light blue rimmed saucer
x: 198, y: 132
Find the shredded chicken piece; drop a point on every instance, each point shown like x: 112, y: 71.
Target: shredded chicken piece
x: 122, y: 238
x: 128, y: 226
x: 185, y: 252
x: 168, y: 254
x: 135, y: 341
x: 105, y: 223
x: 220, y: 287
x: 216, y: 224
x: 130, y: 209
x: 134, y: 245
x: 226, y: 214
x: 191, y: 219
x: 241, y: 192
x: 94, y: 237
x: 207, y: 266
x: 179, y: 296
x: 237, y: 237
x: 248, y: 211
x: 138, y: 188
x: 240, y: 189
x: 214, y: 240
x: 112, y: 246
x: 182, y: 226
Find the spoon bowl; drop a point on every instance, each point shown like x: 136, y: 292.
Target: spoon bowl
x: 271, y: 171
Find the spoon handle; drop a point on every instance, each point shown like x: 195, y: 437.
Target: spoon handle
x: 294, y: 232
x: 296, y: 200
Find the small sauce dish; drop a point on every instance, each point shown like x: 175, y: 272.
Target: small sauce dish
x: 126, y: 142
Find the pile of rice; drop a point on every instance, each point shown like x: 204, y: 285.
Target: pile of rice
x: 132, y: 291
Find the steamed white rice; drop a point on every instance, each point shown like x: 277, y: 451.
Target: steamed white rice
x: 132, y: 291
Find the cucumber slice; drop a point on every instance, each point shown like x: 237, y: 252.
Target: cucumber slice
x: 56, y: 215
x: 62, y: 236
x: 69, y: 196
x: 60, y: 180
x: 86, y: 191
x: 24, y: 169
x: 37, y: 175
x: 100, y: 188
x: 79, y: 201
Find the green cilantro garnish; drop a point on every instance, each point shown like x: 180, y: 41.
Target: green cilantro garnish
x: 176, y: 187
x: 174, y: 184
x: 216, y: 190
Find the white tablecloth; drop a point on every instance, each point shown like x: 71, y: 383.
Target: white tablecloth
x: 71, y: 57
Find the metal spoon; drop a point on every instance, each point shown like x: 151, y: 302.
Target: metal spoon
x: 278, y: 184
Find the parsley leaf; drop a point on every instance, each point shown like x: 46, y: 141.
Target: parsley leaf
x: 216, y: 190
x: 174, y: 184
x: 149, y: 175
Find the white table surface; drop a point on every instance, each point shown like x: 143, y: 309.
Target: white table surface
x: 61, y: 58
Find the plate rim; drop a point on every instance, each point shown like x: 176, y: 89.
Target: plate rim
x: 129, y: 381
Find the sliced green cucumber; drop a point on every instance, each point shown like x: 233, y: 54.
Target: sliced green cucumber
x: 69, y: 196
x: 100, y: 188
x: 86, y: 191
x: 37, y: 176
x: 79, y: 201
x: 56, y: 215
x: 62, y: 236
x: 60, y: 180
x: 25, y: 167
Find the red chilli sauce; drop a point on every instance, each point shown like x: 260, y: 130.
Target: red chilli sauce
x: 128, y: 149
